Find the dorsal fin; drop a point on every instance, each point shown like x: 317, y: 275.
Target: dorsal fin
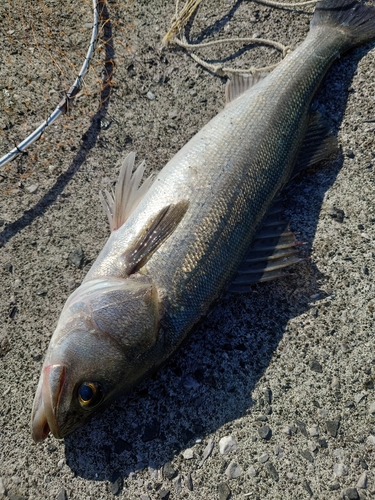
x: 128, y: 193
x: 273, y: 250
x: 240, y: 83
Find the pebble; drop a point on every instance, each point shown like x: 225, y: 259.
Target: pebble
x: 322, y: 413
x: 62, y: 495
x: 116, y: 483
x: 302, y: 427
x: 233, y: 470
x: 350, y: 494
x: 334, y: 486
x: 32, y: 189
x: 333, y: 427
x: 190, y: 383
x: 177, y: 485
x: 188, y: 454
x: 2, y: 487
x: 315, y: 366
x: 265, y: 432
x: 362, y: 481
x: 168, y: 471
x: 272, y: 472
x: 372, y: 408
x: 145, y: 497
x: 307, y: 487
x: 371, y: 440
x: 251, y: 471
x: 267, y: 395
x: 164, y: 494
x: 358, y: 397
x: 290, y: 475
x: 340, y: 470
x: 313, y: 431
x: 306, y: 454
x: 287, y: 430
x: 189, y: 482
x: 224, y: 491
x: 207, y: 451
x: 75, y: 257
x: 278, y: 451
x: 363, y: 464
x: 150, y: 95
x: 263, y: 458
x: 227, y: 444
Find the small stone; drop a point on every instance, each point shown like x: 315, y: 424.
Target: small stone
x: 121, y: 446
x: 164, y: 494
x: 333, y: 427
x: 223, y: 491
x: 263, y: 458
x: 32, y: 189
x: 322, y: 412
x: 272, y: 472
x: 207, y: 451
x: 267, y: 395
x: 322, y: 443
x: 189, y: 482
x: 15, y: 496
x: 227, y: 444
x: 168, y: 471
x: 62, y: 495
x: 362, y: 481
x: 145, y: 497
x: 372, y: 408
x: 2, y: 487
x: 350, y: 494
x: 61, y: 463
x: 340, y: 470
x: 363, y: 464
x: 278, y: 451
x: 313, y: 431
x: 306, y: 454
x: 358, y: 397
x: 290, y: 475
x: 150, y: 96
x: 178, y: 485
x: 334, y: 486
x: 265, y: 432
x: 233, y: 470
x: 75, y: 257
x: 302, y: 427
x: 312, y: 446
x: 287, y: 430
x: 315, y: 366
x: 116, y: 483
x: 307, y: 487
x: 188, y: 454
x: 251, y: 471
x: 371, y: 440
x: 151, y: 431
x: 190, y: 383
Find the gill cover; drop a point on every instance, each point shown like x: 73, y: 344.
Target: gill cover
x: 104, y: 328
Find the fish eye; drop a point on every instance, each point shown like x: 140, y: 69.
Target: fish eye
x: 89, y: 394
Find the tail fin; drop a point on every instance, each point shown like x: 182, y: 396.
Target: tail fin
x: 355, y: 19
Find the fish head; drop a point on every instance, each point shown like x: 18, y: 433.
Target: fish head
x: 99, y: 349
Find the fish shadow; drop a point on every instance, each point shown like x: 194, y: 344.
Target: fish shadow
x: 209, y: 382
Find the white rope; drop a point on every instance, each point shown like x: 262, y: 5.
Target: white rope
x: 65, y: 103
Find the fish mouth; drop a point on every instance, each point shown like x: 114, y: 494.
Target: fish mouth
x: 46, y: 403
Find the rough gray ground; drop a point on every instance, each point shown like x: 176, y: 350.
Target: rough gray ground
x: 296, y: 356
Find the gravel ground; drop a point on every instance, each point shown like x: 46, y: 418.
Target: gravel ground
x: 273, y: 395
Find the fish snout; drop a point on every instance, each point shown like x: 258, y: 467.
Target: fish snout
x: 46, y: 402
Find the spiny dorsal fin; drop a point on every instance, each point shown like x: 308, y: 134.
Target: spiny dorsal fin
x: 128, y: 193
x: 238, y: 84
x: 318, y: 145
x: 273, y: 250
x: 154, y: 234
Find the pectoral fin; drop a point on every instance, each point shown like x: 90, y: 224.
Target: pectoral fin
x: 154, y: 234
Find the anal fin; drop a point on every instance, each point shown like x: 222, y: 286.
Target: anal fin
x: 273, y: 250
x: 319, y: 144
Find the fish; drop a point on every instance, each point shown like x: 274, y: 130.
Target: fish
x: 178, y: 241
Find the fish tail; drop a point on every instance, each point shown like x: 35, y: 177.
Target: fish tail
x: 354, y: 19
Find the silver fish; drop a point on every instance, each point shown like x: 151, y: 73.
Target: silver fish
x: 177, y: 242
